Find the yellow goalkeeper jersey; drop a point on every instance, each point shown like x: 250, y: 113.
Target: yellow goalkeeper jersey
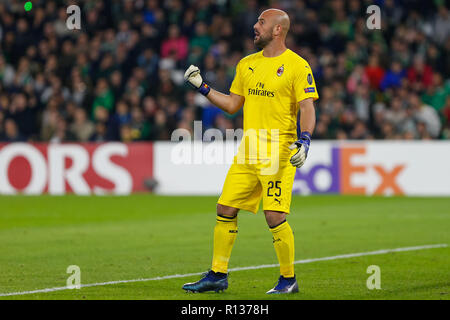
x: 272, y: 88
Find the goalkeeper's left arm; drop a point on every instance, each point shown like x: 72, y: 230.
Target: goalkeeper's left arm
x: 229, y: 103
x: 307, y: 124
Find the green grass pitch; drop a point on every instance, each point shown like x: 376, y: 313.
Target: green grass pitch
x: 147, y: 236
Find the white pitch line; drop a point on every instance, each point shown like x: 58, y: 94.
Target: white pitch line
x: 173, y: 276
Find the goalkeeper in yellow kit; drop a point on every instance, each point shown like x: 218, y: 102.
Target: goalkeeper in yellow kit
x: 272, y: 85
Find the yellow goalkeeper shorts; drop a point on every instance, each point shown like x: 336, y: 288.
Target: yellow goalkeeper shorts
x: 246, y: 184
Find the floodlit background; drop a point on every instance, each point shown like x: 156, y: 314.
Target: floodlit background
x: 120, y: 77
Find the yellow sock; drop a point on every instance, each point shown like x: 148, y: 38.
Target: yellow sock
x: 225, y: 233
x: 283, y: 241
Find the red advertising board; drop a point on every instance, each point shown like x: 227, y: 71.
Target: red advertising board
x: 89, y: 168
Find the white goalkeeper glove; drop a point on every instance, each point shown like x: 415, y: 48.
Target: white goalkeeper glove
x: 302, y: 146
x: 193, y: 77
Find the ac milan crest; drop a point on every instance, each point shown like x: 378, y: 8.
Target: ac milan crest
x: 280, y: 70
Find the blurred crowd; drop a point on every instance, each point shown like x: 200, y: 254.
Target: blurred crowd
x: 120, y: 78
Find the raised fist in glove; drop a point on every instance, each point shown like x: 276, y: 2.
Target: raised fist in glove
x: 302, y: 146
x: 193, y: 77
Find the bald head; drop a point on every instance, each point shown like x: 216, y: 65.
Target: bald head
x: 277, y: 17
x: 273, y: 24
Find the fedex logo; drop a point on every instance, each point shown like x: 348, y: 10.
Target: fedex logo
x: 350, y: 172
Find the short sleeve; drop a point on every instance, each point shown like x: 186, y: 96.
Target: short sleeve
x: 236, y: 85
x: 304, y: 84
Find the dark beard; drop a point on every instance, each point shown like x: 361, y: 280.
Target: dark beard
x: 262, y: 42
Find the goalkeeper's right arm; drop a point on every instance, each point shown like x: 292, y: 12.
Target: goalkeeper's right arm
x: 229, y: 103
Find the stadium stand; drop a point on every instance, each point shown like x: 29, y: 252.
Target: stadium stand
x: 120, y: 78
